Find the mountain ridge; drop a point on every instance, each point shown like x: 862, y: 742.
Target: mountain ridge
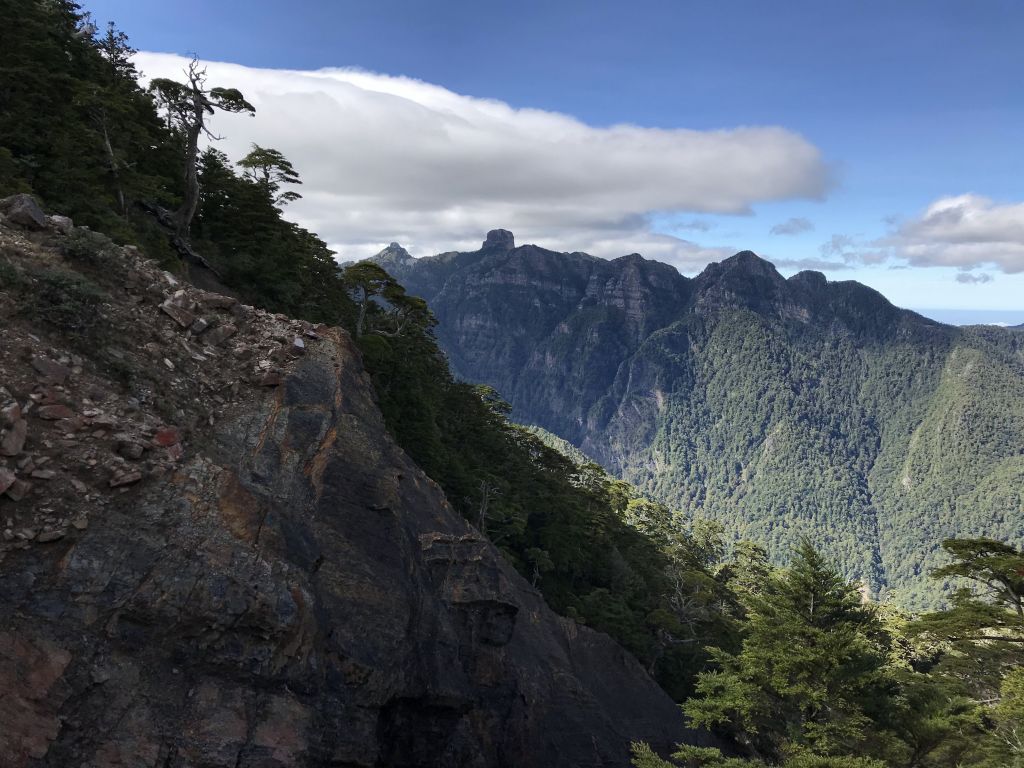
x: 779, y: 406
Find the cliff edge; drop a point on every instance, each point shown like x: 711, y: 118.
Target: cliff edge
x: 213, y: 553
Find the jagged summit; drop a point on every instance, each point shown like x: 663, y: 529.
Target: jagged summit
x: 394, y: 252
x: 630, y: 258
x: 499, y: 240
x: 809, y: 277
x: 746, y: 261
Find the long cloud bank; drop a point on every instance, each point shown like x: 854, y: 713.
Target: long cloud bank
x: 389, y: 158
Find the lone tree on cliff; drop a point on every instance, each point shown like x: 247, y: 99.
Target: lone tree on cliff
x: 188, y: 105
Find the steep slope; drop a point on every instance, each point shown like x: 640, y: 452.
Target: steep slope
x: 782, y: 407
x: 215, y: 555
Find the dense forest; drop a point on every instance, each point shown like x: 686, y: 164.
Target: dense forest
x: 789, y: 665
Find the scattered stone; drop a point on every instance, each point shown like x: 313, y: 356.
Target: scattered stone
x: 52, y: 372
x: 55, y: 412
x: 7, y: 479
x: 219, y: 334
x: 67, y: 426
x: 8, y: 534
x: 169, y: 364
x: 48, y: 536
x: 199, y: 326
x: 270, y: 379
x: 80, y: 523
x: 44, y: 474
x: 130, y: 449
x: 126, y: 478
x: 179, y: 314
x: 78, y: 485
x: 298, y: 346
x: 216, y: 301
x: 9, y: 413
x: 104, y: 421
x: 62, y: 224
x: 18, y: 490
x: 22, y: 210
x: 13, y: 441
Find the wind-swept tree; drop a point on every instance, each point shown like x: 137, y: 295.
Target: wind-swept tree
x: 271, y: 169
x: 381, y: 299
x: 984, y: 626
x: 187, y: 106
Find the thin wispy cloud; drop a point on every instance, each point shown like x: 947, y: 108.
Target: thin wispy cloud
x: 971, y: 278
x: 793, y: 226
x: 819, y: 265
x: 391, y: 158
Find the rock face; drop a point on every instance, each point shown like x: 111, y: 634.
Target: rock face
x: 499, y: 240
x: 780, y: 407
x: 281, y: 586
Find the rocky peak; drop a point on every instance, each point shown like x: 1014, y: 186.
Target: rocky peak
x: 746, y: 280
x: 750, y: 263
x: 810, y: 278
x: 499, y: 240
x: 393, y: 254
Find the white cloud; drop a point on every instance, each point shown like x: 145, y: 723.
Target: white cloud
x: 390, y: 158
x: 965, y: 231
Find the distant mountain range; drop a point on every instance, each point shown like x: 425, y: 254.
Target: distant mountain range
x: 781, y: 407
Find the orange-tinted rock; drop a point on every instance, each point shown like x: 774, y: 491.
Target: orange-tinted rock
x: 167, y: 436
x: 54, y: 412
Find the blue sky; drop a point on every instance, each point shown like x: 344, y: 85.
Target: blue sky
x: 908, y: 103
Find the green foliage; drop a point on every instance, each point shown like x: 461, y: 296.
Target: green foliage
x: 63, y: 299
x: 820, y: 679
x: 807, y: 671
x: 75, y: 127
x: 983, y: 629
x: 271, y: 169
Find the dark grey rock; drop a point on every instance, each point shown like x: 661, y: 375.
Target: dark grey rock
x: 300, y: 594
x: 23, y: 211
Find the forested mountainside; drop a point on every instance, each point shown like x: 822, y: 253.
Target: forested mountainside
x: 779, y: 407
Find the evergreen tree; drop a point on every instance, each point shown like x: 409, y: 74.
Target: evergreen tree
x: 808, y: 670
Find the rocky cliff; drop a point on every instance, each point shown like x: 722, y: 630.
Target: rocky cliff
x: 214, y: 555
x: 781, y: 407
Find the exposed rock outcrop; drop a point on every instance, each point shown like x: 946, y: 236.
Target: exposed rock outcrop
x: 244, y: 570
x: 499, y: 240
